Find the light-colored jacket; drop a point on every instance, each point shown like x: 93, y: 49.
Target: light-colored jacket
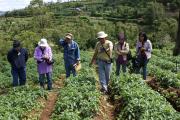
x: 147, y: 46
x: 124, y: 51
x: 43, y: 67
x: 100, y: 52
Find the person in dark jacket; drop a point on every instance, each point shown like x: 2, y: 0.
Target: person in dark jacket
x: 18, y: 57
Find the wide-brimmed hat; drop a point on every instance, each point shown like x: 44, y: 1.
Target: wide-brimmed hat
x: 43, y: 43
x: 101, y: 34
x: 69, y: 36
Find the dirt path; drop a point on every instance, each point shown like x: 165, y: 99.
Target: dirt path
x: 106, y: 109
x: 51, y: 99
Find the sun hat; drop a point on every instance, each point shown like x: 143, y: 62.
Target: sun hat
x: 101, y: 34
x: 43, y: 43
x: 69, y: 36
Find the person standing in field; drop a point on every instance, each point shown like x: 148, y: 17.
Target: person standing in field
x: 71, y: 54
x: 103, y: 55
x: 17, y: 57
x: 43, y: 56
x: 143, y: 51
x: 121, y: 50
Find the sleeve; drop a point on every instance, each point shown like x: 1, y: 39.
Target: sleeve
x: 9, y: 57
x: 77, y: 52
x: 62, y: 42
x: 111, y: 46
x: 50, y: 55
x: 149, y: 49
x: 37, y: 56
x: 126, y: 48
x: 26, y: 55
x: 137, y: 47
x: 115, y: 48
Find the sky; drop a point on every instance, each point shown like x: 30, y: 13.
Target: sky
x: 8, y: 5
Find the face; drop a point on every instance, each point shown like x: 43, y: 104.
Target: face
x: 17, y: 48
x: 67, y: 40
x: 102, y: 40
x: 121, y: 40
x: 141, y: 38
x: 43, y: 47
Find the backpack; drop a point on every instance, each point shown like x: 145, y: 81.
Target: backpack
x: 129, y: 55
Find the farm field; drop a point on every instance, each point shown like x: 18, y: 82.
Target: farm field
x: 79, y: 97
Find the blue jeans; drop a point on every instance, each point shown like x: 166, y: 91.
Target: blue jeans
x: 144, y: 68
x: 118, y: 66
x: 49, y: 80
x: 69, y: 68
x: 18, y: 73
x: 104, y: 70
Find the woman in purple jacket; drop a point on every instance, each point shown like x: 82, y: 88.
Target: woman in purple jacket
x: 43, y: 56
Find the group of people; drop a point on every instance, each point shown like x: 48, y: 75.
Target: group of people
x: 103, y: 56
x: 18, y: 56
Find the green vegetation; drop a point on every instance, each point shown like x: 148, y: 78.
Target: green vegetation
x: 85, y: 18
x: 79, y: 98
x: 140, y: 101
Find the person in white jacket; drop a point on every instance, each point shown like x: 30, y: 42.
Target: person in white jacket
x: 143, y: 51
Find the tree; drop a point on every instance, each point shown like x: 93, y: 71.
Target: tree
x: 36, y: 3
x: 177, y: 46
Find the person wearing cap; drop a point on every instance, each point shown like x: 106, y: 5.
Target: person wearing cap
x: 121, y: 49
x: 103, y: 55
x: 71, y: 54
x: 17, y: 57
x: 143, y: 51
x: 43, y: 54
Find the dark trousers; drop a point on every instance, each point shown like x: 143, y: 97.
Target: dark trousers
x: 69, y: 68
x: 118, y: 67
x: 144, y: 68
x: 19, y: 76
x: 49, y: 80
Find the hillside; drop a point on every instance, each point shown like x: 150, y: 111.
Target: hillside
x: 85, y: 18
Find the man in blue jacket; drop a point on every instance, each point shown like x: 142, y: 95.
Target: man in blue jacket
x: 18, y: 57
x: 71, y: 54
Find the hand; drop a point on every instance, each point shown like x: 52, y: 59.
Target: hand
x: 142, y: 49
x: 78, y: 62
x: 46, y: 57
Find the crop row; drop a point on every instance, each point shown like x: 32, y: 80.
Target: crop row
x: 140, y: 101
x: 78, y: 99
x: 19, y: 101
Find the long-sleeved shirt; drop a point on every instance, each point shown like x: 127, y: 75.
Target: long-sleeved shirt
x: 147, y: 46
x: 71, y: 52
x: 42, y: 65
x: 17, y: 59
x: 124, y: 50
